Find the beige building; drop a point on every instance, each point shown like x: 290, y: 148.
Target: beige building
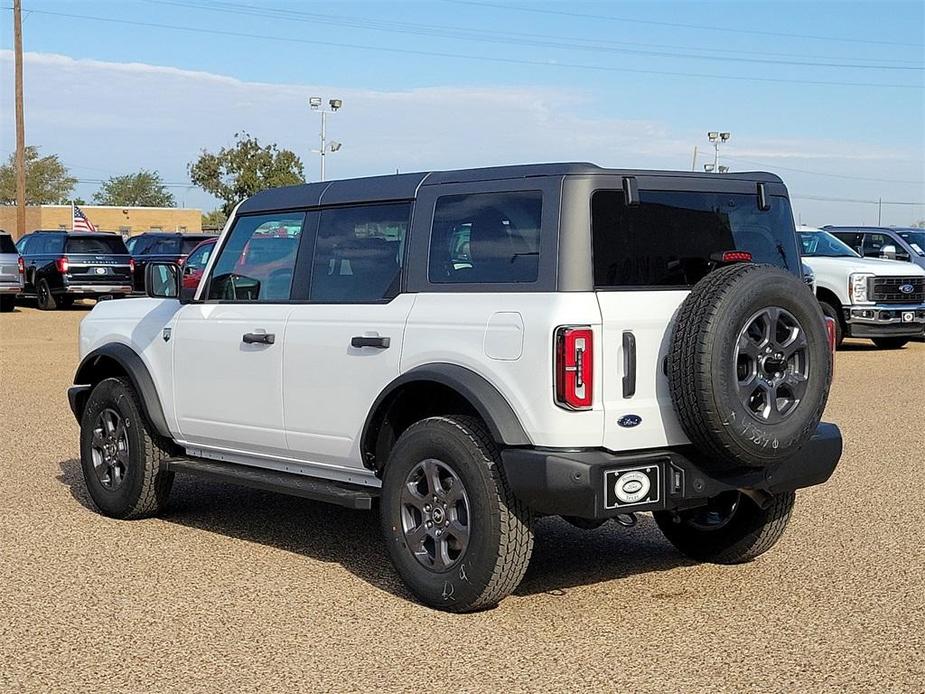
x: 126, y: 220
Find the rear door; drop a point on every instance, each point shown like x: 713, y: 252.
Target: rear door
x: 647, y: 256
x: 344, y: 338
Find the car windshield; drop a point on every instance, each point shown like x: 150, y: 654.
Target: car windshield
x: 821, y: 244
x: 916, y: 239
x: 99, y: 245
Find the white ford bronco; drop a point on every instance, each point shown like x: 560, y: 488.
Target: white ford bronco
x: 883, y: 300
x: 469, y: 350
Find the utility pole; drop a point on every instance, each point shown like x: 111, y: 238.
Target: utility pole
x: 20, y: 123
x: 716, y: 138
x: 694, y: 160
x: 879, y: 211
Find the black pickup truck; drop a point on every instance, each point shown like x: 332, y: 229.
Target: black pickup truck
x: 60, y: 266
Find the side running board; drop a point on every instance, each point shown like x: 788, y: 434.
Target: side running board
x: 340, y: 493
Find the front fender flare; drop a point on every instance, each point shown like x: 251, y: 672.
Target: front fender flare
x: 93, y: 369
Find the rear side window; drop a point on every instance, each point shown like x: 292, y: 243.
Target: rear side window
x: 6, y: 244
x: 97, y: 245
x: 46, y: 243
x: 257, y: 261
x: 486, y: 238
x: 358, y: 253
x: 667, y: 239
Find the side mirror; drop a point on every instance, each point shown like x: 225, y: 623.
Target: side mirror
x: 888, y: 252
x: 162, y: 280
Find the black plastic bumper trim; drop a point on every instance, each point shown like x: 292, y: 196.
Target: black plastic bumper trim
x: 571, y: 483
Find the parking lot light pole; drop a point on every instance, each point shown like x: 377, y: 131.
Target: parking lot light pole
x: 716, y: 138
x: 315, y: 105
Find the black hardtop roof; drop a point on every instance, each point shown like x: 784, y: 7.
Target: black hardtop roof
x: 158, y: 232
x: 99, y: 232
x: 405, y: 186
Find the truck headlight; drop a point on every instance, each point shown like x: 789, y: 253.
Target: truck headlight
x: 857, y: 287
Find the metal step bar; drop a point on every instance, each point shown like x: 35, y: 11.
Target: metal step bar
x: 339, y: 493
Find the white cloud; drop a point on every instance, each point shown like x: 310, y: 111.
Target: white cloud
x: 108, y: 118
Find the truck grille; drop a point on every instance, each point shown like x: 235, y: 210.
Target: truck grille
x: 887, y: 290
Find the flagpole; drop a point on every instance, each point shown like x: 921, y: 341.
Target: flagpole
x: 72, y: 215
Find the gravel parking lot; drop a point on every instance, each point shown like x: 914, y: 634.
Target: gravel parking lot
x: 241, y: 590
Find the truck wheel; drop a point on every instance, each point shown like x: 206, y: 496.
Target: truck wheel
x: 890, y: 342
x: 7, y: 302
x: 832, y: 312
x: 44, y: 298
x: 455, y: 532
x: 749, y: 366
x: 732, y: 529
x: 123, y: 464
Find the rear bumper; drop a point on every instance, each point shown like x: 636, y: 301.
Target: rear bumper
x: 572, y: 483
x: 94, y: 289
x: 10, y: 288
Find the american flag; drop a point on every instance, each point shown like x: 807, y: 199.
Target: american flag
x: 81, y: 222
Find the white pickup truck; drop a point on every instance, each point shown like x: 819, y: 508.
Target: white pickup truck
x: 883, y: 300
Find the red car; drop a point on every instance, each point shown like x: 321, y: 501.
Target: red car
x: 195, y: 264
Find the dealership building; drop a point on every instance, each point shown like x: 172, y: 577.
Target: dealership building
x: 125, y: 220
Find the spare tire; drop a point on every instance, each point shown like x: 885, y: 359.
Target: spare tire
x: 749, y: 366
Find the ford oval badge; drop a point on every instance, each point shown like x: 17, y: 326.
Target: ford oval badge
x: 906, y: 288
x: 628, y: 421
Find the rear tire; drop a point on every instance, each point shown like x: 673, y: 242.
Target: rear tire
x: 830, y: 311
x: 45, y: 300
x: 7, y: 303
x: 890, y: 342
x: 733, y: 529
x: 122, y: 460
x: 456, y: 534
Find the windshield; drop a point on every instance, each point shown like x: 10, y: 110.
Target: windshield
x: 98, y: 245
x: 916, y: 239
x: 821, y: 244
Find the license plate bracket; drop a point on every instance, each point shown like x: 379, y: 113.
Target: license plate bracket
x: 630, y: 487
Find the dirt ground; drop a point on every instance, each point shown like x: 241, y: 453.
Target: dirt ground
x: 240, y: 590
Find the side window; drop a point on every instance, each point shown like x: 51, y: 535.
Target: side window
x: 198, y: 259
x: 486, y: 238
x: 358, y: 253
x: 873, y: 243
x: 23, y: 244
x: 851, y: 238
x: 257, y: 260
x: 47, y: 244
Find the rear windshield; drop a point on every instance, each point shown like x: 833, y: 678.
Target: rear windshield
x: 667, y: 239
x: 190, y: 243
x: 6, y: 244
x: 109, y: 245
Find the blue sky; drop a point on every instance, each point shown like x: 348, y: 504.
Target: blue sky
x: 829, y: 95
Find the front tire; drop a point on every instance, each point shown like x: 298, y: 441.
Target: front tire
x: 123, y: 464
x: 45, y: 300
x: 890, y: 342
x: 732, y: 529
x: 456, y: 534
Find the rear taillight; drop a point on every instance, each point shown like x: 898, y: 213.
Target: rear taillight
x: 131, y: 265
x: 830, y: 334
x: 21, y: 264
x: 731, y: 257
x: 574, y: 367
x: 62, y: 264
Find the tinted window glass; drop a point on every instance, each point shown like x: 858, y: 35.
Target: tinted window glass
x: 916, y: 239
x: 257, y: 260
x: 6, y: 244
x: 23, y: 244
x: 668, y: 238
x: 486, y: 237
x: 188, y: 244
x: 46, y: 243
x: 96, y: 245
x: 165, y: 245
x: 874, y: 242
x: 358, y: 253
x: 850, y: 238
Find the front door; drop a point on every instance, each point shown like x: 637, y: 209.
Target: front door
x: 343, y: 345
x: 228, y: 347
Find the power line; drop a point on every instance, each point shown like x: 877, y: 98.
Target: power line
x: 459, y: 56
x: 506, y: 38
x: 699, y: 27
x: 823, y: 198
x: 820, y: 173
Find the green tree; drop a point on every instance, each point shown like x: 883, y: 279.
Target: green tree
x: 142, y: 189
x: 47, y: 179
x: 214, y: 220
x: 238, y: 172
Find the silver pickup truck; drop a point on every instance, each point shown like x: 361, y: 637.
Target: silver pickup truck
x: 11, y: 272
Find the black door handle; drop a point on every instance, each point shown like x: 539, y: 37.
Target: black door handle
x: 262, y: 338
x: 629, y: 364
x: 364, y: 341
